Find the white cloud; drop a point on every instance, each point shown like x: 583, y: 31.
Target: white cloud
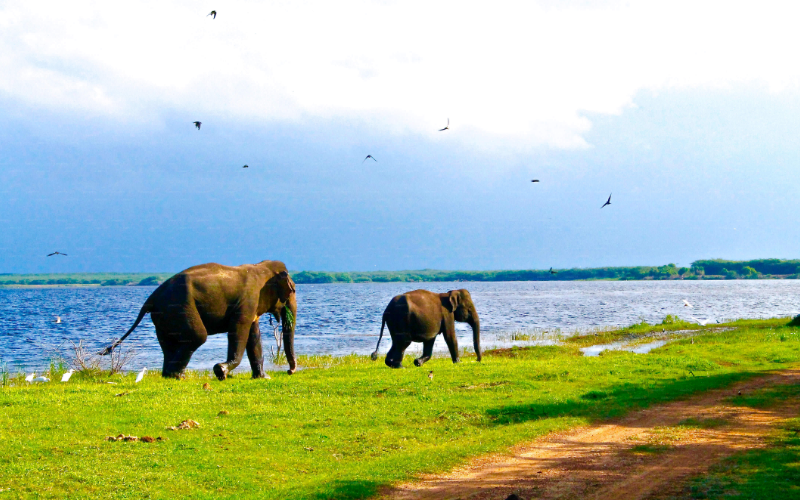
x: 519, y: 71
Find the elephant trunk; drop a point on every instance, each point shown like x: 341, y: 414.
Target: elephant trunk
x: 476, y: 335
x: 289, y: 320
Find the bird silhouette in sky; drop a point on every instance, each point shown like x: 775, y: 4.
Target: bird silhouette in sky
x: 535, y: 180
x: 197, y: 124
x: 447, y: 127
x: 213, y: 14
x: 368, y: 157
x: 552, y: 272
x: 607, y: 202
x: 246, y: 166
x: 56, y: 253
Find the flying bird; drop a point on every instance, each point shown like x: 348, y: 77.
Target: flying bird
x: 213, y: 14
x: 30, y: 376
x: 447, y: 127
x: 553, y: 272
x: 535, y: 180
x: 140, y: 376
x: 197, y: 124
x: 607, y: 202
x: 66, y: 376
x: 701, y: 322
x: 687, y: 304
x: 246, y: 166
x: 56, y: 253
x: 368, y: 157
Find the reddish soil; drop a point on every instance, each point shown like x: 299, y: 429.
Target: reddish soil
x: 644, y: 455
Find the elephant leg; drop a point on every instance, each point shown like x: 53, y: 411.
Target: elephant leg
x: 427, y: 352
x: 177, y: 360
x: 452, y: 342
x: 179, y: 338
x: 237, y: 341
x: 394, y: 358
x: 254, y: 352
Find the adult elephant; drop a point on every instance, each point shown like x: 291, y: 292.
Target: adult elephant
x: 420, y: 316
x: 211, y: 298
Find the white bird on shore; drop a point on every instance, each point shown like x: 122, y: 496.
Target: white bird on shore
x: 66, y: 376
x: 41, y: 379
x: 29, y: 378
x: 687, y: 304
x: 702, y: 322
x: 140, y: 376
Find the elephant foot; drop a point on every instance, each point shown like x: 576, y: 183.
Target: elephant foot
x: 175, y: 375
x: 421, y: 361
x: 221, y: 371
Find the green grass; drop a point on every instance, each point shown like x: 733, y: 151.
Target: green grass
x: 769, y: 473
x: 346, y: 428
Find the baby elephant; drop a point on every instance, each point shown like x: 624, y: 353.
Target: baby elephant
x: 420, y: 316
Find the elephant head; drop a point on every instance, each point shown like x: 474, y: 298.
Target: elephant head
x: 278, y: 297
x: 459, y: 302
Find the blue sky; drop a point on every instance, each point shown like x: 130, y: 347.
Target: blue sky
x: 692, y: 126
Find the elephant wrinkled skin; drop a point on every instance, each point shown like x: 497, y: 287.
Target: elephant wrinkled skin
x: 420, y: 316
x: 211, y: 298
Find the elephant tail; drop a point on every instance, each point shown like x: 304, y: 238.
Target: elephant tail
x: 145, y: 309
x: 375, y: 354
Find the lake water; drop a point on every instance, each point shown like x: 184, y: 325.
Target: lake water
x: 346, y: 318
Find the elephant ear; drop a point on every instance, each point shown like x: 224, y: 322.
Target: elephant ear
x: 285, y: 286
x: 450, y: 300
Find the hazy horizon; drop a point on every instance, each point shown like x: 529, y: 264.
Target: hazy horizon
x: 685, y: 112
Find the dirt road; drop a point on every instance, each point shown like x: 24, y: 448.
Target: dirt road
x: 648, y: 454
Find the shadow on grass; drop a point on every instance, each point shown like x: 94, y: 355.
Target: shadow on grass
x: 616, y: 400
x: 347, y: 490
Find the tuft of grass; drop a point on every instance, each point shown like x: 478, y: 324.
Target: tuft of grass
x: 650, y: 449
x: 702, y: 423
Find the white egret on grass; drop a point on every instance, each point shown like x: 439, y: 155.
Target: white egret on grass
x: 66, y: 376
x: 29, y: 378
x: 41, y: 379
x: 140, y: 376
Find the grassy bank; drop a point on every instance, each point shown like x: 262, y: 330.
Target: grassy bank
x: 344, y: 431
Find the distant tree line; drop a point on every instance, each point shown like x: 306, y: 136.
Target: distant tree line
x: 102, y: 279
x: 700, y: 269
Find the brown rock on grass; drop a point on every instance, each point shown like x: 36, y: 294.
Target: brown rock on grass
x: 186, y: 424
x: 222, y: 413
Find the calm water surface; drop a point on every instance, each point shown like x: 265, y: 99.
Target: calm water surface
x: 345, y: 318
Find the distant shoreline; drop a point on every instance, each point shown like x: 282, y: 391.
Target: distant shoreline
x: 713, y: 269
